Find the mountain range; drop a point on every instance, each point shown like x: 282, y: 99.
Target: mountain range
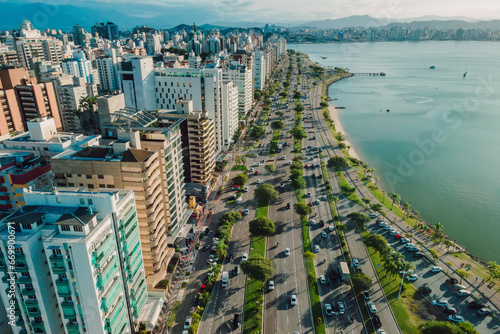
x: 87, y: 13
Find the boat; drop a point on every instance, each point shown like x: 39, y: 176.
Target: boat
x: 465, y: 74
x: 388, y: 110
x: 323, y: 57
x: 432, y: 67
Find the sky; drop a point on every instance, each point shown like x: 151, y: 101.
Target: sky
x: 290, y: 11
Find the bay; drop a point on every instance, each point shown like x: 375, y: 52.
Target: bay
x: 439, y: 146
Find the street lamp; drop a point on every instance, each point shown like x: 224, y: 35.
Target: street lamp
x: 402, y: 281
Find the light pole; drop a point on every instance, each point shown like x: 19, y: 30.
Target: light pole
x: 402, y: 281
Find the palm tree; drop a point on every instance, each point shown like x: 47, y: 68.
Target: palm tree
x: 376, y: 179
x: 366, y: 200
x: 409, y: 236
x: 341, y: 227
x: 392, y: 268
x: 406, y: 209
x: 395, y: 199
x: 221, y: 250
x: 439, y: 227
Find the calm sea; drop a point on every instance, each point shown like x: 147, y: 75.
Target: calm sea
x: 439, y: 146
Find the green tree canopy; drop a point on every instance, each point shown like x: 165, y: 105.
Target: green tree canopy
x: 297, y: 165
x: 467, y: 328
x: 378, y: 242
x: 240, y: 179
x: 262, y: 226
x: 257, y: 94
x: 361, y: 281
x: 337, y: 163
x: 266, y: 192
x: 257, y: 132
x: 277, y: 125
x: 302, y: 209
x: 358, y: 217
x: 298, y: 132
x: 438, y: 327
x: 257, y: 267
x: 230, y: 216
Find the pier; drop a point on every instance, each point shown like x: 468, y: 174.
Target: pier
x: 377, y: 74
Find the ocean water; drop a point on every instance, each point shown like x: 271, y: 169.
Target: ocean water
x: 439, y: 146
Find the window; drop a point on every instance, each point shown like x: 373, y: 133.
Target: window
x: 90, y: 186
x: 65, y: 228
x: 56, y: 251
x: 71, y: 184
x: 100, y: 176
x: 26, y: 226
x: 110, y: 186
x: 89, y: 176
x: 79, y: 175
x: 82, y: 201
x: 81, y: 184
x: 19, y: 249
x: 77, y: 228
x: 90, y: 201
x: 69, y: 175
x: 102, y: 186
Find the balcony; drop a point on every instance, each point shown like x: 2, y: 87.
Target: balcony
x: 72, y: 328
x: 31, y: 302
x: 25, y: 280
x: 56, y: 258
x: 62, y: 282
x: 34, y: 312
x: 21, y: 268
x: 28, y: 291
x: 19, y: 322
x: 58, y: 270
x: 38, y: 325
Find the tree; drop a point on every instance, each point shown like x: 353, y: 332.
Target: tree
x: 358, y: 217
x: 366, y: 200
x: 361, y: 281
x: 221, y: 250
x: 341, y: 227
x: 494, y: 270
x: 309, y: 255
x: 256, y: 132
x: 438, y: 327
x: 85, y: 113
x: 266, y: 192
x: 302, y: 209
x: 449, y: 264
x: 467, y: 328
x: 448, y: 243
x: 299, y: 107
x: 463, y: 274
x: 394, y: 198
x: 257, y: 94
x: 337, y: 163
x: 433, y: 253
x: 342, y: 146
x: 298, y: 132
x: 297, y: 165
x: 280, y: 113
x: 376, y: 207
x: 230, y: 216
x: 376, y: 241
x: 391, y: 267
x: 262, y: 226
x: 277, y: 125
x: 347, y: 190
x: 240, y: 179
x: 406, y: 209
x: 257, y: 267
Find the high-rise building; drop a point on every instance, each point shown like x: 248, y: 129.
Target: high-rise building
x: 230, y: 121
x: 242, y: 76
x: 138, y: 82
x: 259, y: 70
x: 107, y: 30
x: 78, y: 263
x: 107, y: 70
x: 79, y: 66
x: 23, y: 99
x: 38, y: 48
x: 197, y: 141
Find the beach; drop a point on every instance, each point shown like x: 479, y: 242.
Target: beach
x: 334, y: 115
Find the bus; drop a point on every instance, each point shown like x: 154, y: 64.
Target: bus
x: 225, y: 278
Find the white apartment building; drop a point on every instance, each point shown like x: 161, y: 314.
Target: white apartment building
x: 107, y: 74
x: 230, y: 121
x: 242, y: 77
x: 38, y: 48
x: 202, y: 86
x: 259, y: 69
x: 78, y: 262
x: 79, y: 66
x: 137, y: 82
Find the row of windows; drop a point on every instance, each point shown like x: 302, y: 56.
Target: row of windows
x: 87, y: 176
x: 89, y: 185
x: 172, y: 84
x: 168, y: 90
x: 67, y: 228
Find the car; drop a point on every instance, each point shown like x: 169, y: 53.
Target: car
x: 398, y: 236
x: 330, y: 228
x: 252, y: 170
x: 372, y: 215
x: 376, y: 321
x: 440, y: 302
x: 424, y: 290
x: 236, y: 322
x: 455, y: 318
x: 308, y: 176
x: 447, y: 309
x: 387, y: 227
x: 484, y: 311
x: 321, y: 223
x: 293, y: 300
x: 244, y: 257
x: 452, y: 280
x: 258, y: 163
x: 355, y: 262
x: 282, y: 186
x: 381, y: 331
x: 188, y: 322
x: 409, y: 245
x: 382, y: 224
x: 258, y: 181
x: 371, y: 307
x: 312, y: 222
x: 366, y: 295
x: 317, y: 202
x: 316, y: 248
x: 309, y: 204
x: 290, y: 162
x: 328, y: 309
x: 412, y: 278
x: 238, y: 200
x: 318, y: 164
x: 459, y: 287
x: 475, y: 305
x: 413, y: 249
x: 247, y: 211
x: 236, y: 270
x: 393, y: 232
x: 436, y: 269
x: 323, y: 234
x: 322, y: 279
x: 231, y: 196
x: 287, y: 251
x: 463, y: 292
x: 270, y: 286
x: 308, y: 195
x: 211, y: 262
x: 284, y: 157
x: 246, y: 189
x: 205, y: 248
x: 404, y: 240
x: 379, y: 221
x: 418, y: 254
x: 341, y: 307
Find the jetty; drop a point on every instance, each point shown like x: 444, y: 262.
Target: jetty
x: 376, y: 74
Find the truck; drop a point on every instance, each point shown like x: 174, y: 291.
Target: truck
x: 280, y: 147
x: 344, y: 271
x: 225, y: 278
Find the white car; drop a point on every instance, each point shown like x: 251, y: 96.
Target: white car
x: 187, y: 323
x: 271, y: 285
x: 330, y: 228
x: 355, y: 263
x: 247, y: 211
x: 323, y: 234
x: 404, y: 240
x: 322, y: 279
x: 382, y: 223
x: 293, y: 300
x: 290, y: 162
x: 463, y: 292
x: 394, y: 231
x: 440, y: 302
x: 258, y: 163
x: 246, y: 189
x: 459, y: 287
x: 316, y: 248
x: 258, y: 181
x: 244, y: 257
x: 387, y: 227
x: 412, y: 278
x: 287, y: 251
x: 312, y: 222
x: 372, y: 215
x: 436, y: 269
x: 341, y: 307
x: 371, y: 307
x: 251, y: 169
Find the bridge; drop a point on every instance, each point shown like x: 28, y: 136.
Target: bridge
x: 377, y: 74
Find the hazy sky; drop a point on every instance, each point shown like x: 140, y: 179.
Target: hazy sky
x: 296, y: 10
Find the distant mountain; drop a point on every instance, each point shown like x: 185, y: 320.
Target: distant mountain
x: 238, y: 24
x: 350, y: 21
x: 449, y: 25
x: 436, y: 18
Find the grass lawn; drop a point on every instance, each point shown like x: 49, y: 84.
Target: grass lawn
x: 475, y: 268
x: 274, y: 143
x: 405, y: 308
x: 239, y: 167
x: 343, y: 182
x: 254, y: 292
x: 270, y: 168
x: 171, y: 318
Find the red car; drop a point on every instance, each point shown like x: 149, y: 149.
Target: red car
x: 310, y: 204
x: 398, y: 236
x: 305, y: 166
x: 256, y: 173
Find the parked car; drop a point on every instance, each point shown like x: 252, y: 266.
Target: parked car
x: 484, y: 311
x: 323, y: 234
x: 376, y: 321
x: 447, y: 309
x: 436, y: 269
x: 455, y: 318
x: 322, y: 279
x: 188, y: 322
x: 244, y: 257
x: 424, y: 290
x: 372, y: 215
x: 293, y: 300
x: 355, y: 262
x: 328, y: 309
x: 366, y: 295
x: 452, y: 280
x: 418, y: 254
x: 398, y: 237
x: 247, y: 212
x: 371, y: 307
x: 246, y: 189
x: 316, y: 248
x: 287, y: 251
x: 459, y: 286
x: 330, y: 228
x: 412, y: 278
x: 236, y: 322
x: 440, y: 302
x: 236, y: 270
x: 341, y: 307
x: 270, y: 286
x: 475, y: 305
x: 463, y: 292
